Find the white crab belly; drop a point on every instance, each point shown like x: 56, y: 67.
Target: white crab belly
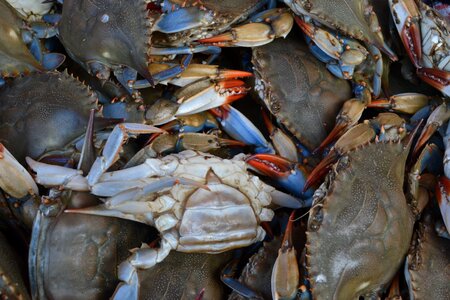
x: 218, y: 220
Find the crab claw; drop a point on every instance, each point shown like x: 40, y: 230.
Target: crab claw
x: 322, y: 38
x: 239, y: 127
x: 348, y: 116
x: 285, y: 272
x: 407, y: 17
x: 113, y: 146
x: 356, y: 136
x: 408, y: 103
x: 275, y: 24
x: 14, y: 179
x: 284, y: 145
x: 194, y: 72
x: 204, y: 94
x: 439, y: 79
x: 438, y: 117
x: 205, y: 142
x: 286, y: 174
x: 443, y: 198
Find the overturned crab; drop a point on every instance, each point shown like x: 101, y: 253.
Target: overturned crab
x: 194, y: 198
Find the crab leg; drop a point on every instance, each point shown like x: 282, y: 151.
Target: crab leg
x: 354, y: 137
x: 406, y: 18
x: 285, y: 272
x: 265, y: 27
x: 203, y: 95
x: 14, y: 179
x: 348, y: 116
x: 236, y: 125
x: 192, y: 73
x: 283, y: 144
x: 143, y: 258
x: 51, y: 175
x: 438, y: 117
x: 408, y: 103
x: 288, y: 175
x: 113, y: 145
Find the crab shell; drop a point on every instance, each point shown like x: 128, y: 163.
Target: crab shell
x: 15, y: 58
x: 298, y: 90
x: 428, y: 263
x: 42, y: 112
x: 219, y: 16
x: 360, y: 226
x: 76, y: 256
x: 113, y: 33
x: 183, y: 276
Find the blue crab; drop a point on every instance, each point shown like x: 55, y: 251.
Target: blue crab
x: 180, y: 180
x: 361, y: 213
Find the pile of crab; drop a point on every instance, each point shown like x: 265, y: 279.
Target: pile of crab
x: 130, y: 170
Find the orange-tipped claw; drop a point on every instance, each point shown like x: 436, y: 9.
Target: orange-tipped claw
x: 411, y: 39
x: 218, y: 39
x: 228, y: 74
x: 231, y: 143
x: 287, y: 239
x: 380, y: 103
x: 320, y: 170
x: 336, y: 133
x: 442, y: 189
x: 307, y: 28
x: 426, y: 134
x: 273, y: 166
x: 439, y: 79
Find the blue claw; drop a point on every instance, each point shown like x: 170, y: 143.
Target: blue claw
x: 285, y: 174
x: 35, y: 49
x: 127, y: 75
x: 227, y: 277
x: 52, y: 18
x: 182, y: 19
x: 317, y: 52
x: 186, y: 50
x: 51, y: 61
x: 166, y: 74
x: 236, y: 125
x: 43, y: 30
x: 2, y: 82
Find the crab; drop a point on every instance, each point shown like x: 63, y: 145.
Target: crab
x: 427, y: 263
x: 20, y: 53
x: 309, y: 106
x: 178, y: 186
x: 33, y: 106
x: 425, y: 35
x: 361, y: 213
x: 58, y: 237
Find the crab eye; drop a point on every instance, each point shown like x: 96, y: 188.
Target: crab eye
x: 104, y: 18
